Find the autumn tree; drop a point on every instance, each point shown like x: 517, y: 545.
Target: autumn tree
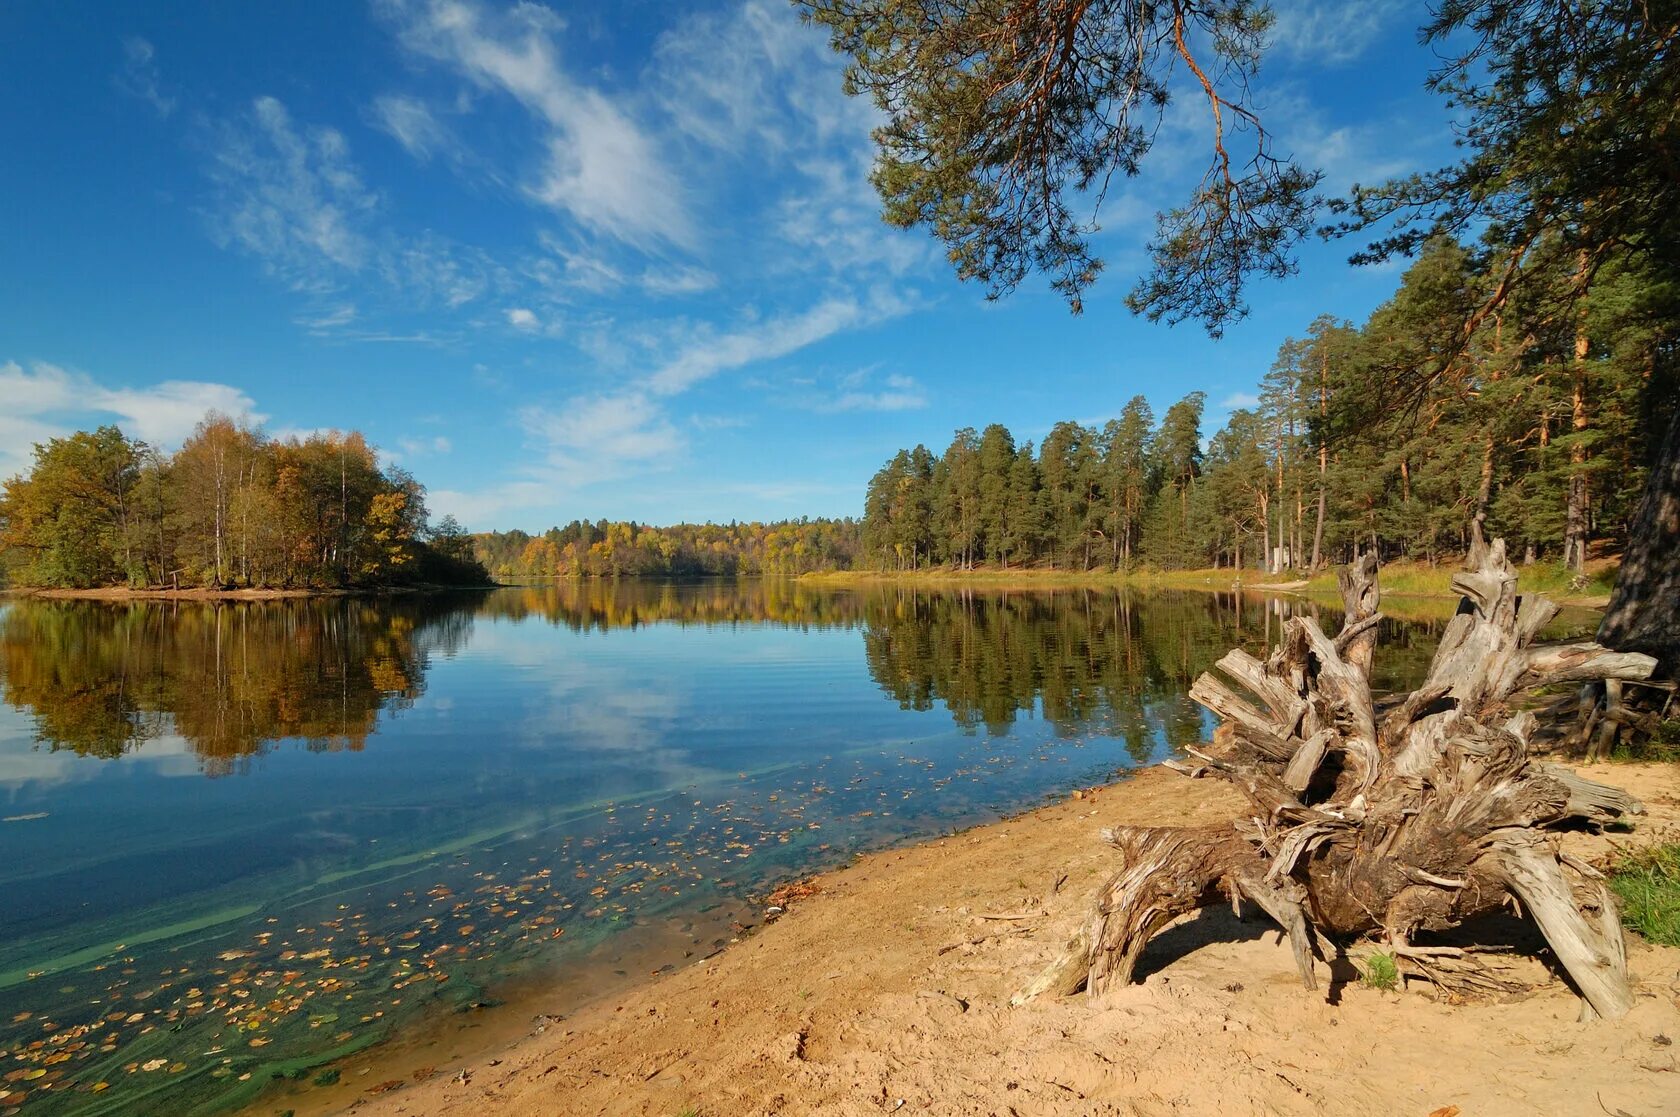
x: 230, y: 507
x: 70, y: 520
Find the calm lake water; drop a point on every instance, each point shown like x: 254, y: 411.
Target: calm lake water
x: 240, y: 841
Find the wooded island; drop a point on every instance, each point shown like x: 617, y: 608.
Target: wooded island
x: 232, y: 508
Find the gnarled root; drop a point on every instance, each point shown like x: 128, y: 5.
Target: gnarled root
x: 1416, y: 822
x: 1461, y: 973
x: 1579, y: 918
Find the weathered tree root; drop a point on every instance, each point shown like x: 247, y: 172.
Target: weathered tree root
x: 1410, y: 823
x: 1460, y: 973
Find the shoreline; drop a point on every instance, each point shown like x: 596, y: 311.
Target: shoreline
x: 200, y: 593
x: 1320, y: 589
x: 893, y: 982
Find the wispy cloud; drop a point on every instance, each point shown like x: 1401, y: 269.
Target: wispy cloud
x: 49, y: 401
x: 596, y: 162
x: 864, y: 389
x: 290, y: 197
x: 411, y: 123
x: 755, y: 85
x: 410, y: 448
x: 328, y: 320
x: 765, y: 153
x: 677, y: 280
x: 1239, y: 399
x: 1364, y: 153
x: 709, y: 352
x: 718, y: 422
x: 754, y: 77
x: 598, y: 437
x: 1331, y: 32
x: 139, y: 76
x: 897, y: 393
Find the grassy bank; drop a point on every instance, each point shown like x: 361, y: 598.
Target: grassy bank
x: 1399, y: 578
x: 1647, y: 882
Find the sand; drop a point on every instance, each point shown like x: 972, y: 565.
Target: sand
x: 888, y: 992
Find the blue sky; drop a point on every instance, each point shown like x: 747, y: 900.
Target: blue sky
x: 599, y: 260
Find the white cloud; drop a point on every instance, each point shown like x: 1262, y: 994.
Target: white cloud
x: 409, y: 122
x: 609, y: 436
x: 1239, y: 399
x: 433, y: 269
x: 708, y: 353
x: 755, y: 78
x: 1331, y: 32
x: 484, y: 509
x: 758, y: 86
x: 164, y: 414
x: 1366, y: 153
x: 48, y: 401
x: 677, y: 281
x: 522, y: 318
x: 862, y: 390
x: 718, y: 422
x: 598, y: 164
x: 900, y: 393
x: 564, y: 270
x: 602, y: 436
x: 411, y: 448
x: 328, y: 320
x: 139, y: 76
x: 290, y: 197
x: 834, y: 223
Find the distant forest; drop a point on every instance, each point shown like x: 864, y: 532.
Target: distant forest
x: 1354, y: 439
x: 609, y: 548
x: 232, y: 508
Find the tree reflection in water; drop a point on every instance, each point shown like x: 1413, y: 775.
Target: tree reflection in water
x: 233, y: 678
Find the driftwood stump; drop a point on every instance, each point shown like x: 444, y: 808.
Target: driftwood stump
x: 1388, y: 820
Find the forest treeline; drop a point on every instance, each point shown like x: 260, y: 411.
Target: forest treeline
x: 610, y: 548
x: 231, y: 508
x: 1356, y: 439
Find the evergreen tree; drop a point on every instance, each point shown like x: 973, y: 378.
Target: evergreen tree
x: 1129, y: 479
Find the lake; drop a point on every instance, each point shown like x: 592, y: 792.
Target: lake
x: 243, y: 840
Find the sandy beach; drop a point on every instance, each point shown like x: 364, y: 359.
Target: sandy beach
x: 888, y: 991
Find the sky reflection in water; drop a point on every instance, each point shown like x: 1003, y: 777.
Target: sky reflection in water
x: 240, y: 840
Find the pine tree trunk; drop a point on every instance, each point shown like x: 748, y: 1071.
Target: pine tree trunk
x: 1575, y: 529
x: 1318, y: 530
x: 1644, y: 611
x: 1484, y: 492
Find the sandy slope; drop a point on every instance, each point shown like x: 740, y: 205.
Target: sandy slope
x: 851, y: 1005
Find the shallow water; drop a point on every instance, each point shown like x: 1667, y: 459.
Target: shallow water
x: 242, y: 840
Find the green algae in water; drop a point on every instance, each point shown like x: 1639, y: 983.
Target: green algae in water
x: 299, y: 828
